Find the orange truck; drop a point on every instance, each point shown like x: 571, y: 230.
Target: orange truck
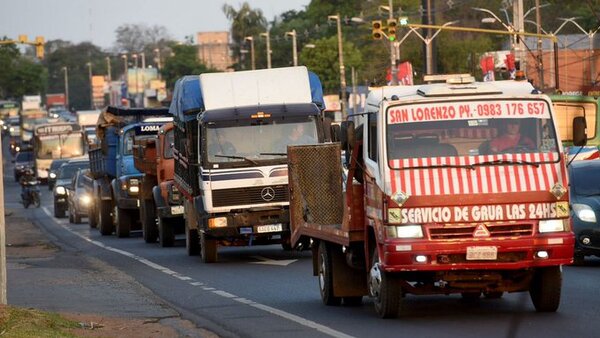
x: 435, y: 198
x: 161, y: 210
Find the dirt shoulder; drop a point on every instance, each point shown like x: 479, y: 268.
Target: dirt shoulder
x: 45, y: 269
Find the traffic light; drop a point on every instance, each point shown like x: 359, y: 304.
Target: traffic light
x: 377, y: 32
x: 22, y: 38
x: 391, y: 26
x: 39, y: 47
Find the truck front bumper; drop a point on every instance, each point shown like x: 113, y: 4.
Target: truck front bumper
x: 251, y: 223
x: 170, y: 211
x: 128, y: 202
x: 512, y: 254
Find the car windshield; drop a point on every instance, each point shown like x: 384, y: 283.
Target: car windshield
x: 80, y: 178
x: 584, y: 179
x: 510, y: 130
x: 243, y: 140
x: 67, y: 171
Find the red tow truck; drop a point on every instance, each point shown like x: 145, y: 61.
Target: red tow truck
x: 428, y: 204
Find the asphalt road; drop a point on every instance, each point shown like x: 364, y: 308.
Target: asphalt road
x: 264, y: 291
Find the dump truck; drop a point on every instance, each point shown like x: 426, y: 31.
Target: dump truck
x: 116, y: 182
x: 231, y: 134
x: 439, y: 196
x: 161, y: 209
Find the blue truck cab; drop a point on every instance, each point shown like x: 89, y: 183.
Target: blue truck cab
x: 116, y: 183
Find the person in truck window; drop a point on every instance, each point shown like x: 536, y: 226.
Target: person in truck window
x: 221, y: 146
x: 511, y: 139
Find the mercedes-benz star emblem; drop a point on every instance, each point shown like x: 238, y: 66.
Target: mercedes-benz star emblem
x: 267, y: 194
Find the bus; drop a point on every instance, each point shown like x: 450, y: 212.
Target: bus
x: 56, y: 141
x: 29, y: 119
x: 569, y: 106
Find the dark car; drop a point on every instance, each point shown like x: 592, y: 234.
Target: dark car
x: 65, y: 175
x: 79, y: 196
x: 23, y: 160
x: 53, y: 171
x: 584, y: 177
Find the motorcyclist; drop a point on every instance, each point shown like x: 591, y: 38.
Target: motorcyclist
x: 26, y: 177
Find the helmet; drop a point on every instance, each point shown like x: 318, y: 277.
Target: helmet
x: 29, y: 172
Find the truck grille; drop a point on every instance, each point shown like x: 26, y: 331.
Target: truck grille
x: 466, y: 231
x: 249, y: 195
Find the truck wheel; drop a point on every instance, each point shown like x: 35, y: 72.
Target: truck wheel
x: 92, y: 220
x: 545, y: 289
x: 208, y: 249
x: 325, y: 264
x: 385, y: 289
x: 148, y: 220
x: 166, y: 233
x: 192, y: 241
x: 122, y: 222
x: 104, y: 219
x: 58, y: 211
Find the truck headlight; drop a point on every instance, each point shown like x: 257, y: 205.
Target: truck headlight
x: 219, y: 222
x: 404, y: 231
x: 52, y: 175
x: 551, y: 225
x: 134, y: 189
x: 11, y: 129
x: 174, y: 195
x: 60, y: 190
x: 584, y: 212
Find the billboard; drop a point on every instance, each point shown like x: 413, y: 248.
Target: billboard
x: 138, y: 79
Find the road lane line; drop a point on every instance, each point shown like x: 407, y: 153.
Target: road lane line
x: 286, y: 315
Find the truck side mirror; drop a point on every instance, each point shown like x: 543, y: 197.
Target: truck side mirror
x: 579, y: 131
x: 346, y: 134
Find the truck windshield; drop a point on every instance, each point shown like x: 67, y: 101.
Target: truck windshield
x: 59, y: 146
x: 520, y: 130
x: 250, y: 141
x: 169, y: 139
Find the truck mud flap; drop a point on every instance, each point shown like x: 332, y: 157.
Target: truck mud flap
x: 315, y: 183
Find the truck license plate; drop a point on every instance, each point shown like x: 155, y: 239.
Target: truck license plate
x: 177, y: 210
x: 269, y: 228
x: 478, y: 253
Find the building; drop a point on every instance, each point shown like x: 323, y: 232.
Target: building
x: 213, y: 50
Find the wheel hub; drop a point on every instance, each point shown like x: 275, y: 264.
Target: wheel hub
x: 375, y: 281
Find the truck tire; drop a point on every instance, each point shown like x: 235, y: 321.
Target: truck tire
x: 385, y: 289
x: 92, y: 217
x: 208, y: 249
x: 122, y: 222
x: 192, y: 240
x: 545, y: 289
x: 104, y: 220
x: 148, y: 220
x: 325, y: 265
x: 166, y: 232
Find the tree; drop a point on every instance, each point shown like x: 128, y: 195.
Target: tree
x: 183, y: 61
x: 324, y: 61
x: 20, y: 75
x: 135, y: 38
x: 245, y: 22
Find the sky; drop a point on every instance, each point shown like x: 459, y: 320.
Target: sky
x: 96, y: 20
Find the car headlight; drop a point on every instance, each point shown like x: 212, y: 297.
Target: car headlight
x: 218, y: 222
x: 19, y: 166
x: 86, y: 199
x: 61, y: 190
x: 404, y: 231
x: 17, y: 149
x: 11, y: 129
x: 52, y: 175
x: 551, y: 225
x: 584, y: 212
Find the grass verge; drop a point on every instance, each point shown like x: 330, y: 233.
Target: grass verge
x: 18, y: 322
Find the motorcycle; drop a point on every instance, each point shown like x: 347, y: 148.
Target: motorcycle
x: 31, y: 194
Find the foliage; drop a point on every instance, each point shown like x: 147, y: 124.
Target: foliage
x: 135, y: 38
x: 324, y: 60
x: 20, y: 75
x: 183, y: 61
x: 245, y: 21
x: 17, y: 322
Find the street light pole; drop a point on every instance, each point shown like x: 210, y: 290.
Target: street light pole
x: 89, y: 65
x: 64, y: 69
x: 143, y: 57
x: 341, y: 61
x: 135, y: 66
x: 268, y: 37
x: 253, y: 62
x: 158, y: 65
x: 393, y: 45
x: 540, y: 55
x: 108, y: 75
x: 294, y: 46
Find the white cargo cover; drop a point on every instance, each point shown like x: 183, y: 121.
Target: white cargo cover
x: 257, y: 87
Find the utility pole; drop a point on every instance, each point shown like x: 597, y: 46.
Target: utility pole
x: 540, y: 56
x: 268, y: 38
x: 3, y: 280
x: 252, y: 60
x: 64, y: 69
x: 341, y: 62
x: 394, y: 69
x: 429, y: 66
x: 89, y: 65
x: 108, y: 75
x: 294, y: 47
x: 518, y: 25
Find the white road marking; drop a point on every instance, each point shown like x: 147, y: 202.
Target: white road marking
x: 268, y: 261
x: 297, y: 319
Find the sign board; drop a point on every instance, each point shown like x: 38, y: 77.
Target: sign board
x: 57, y: 128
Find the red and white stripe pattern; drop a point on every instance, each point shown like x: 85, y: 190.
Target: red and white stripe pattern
x: 505, y: 178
